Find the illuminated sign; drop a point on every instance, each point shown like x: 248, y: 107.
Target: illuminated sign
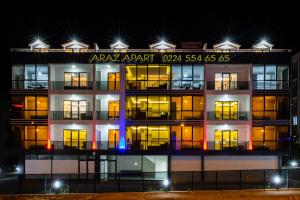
x: 167, y: 58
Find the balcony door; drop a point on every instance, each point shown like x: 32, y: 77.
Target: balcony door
x: 226, y: 110
x: 113, y: 109
x: 113, y: 138
x: 75, y: 79
x: 75, y: 109
x: 226, y: 139
x: 225, y: 81
x: 114, y: 81
x: 75, y: 138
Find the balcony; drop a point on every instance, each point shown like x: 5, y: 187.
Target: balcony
x: 164, y: 85
x: 227, y: 85
x: 29, y: 114
x: 270, y: 85
x: 108, y: 85
x: 65, y: 85
x: 270, y: 115
x: 107, y: 115
x: 165, y: 115
x: 243, y: 115
x: 242, y: 146
x: 64, y: 115
x: 29, y: 85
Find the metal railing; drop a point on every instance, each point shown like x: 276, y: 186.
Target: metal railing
x: 270, y: 85
x: 164, y: 85
x: 106, y: 115
x: 139, y: 181
x: 67, y: 85
x: 66, y: 115
x: 271, y: 115
x: 164, y: 115
x: 227, y: 85
x: 29, y: 84
x: 157, y: 144
x: 242, y: 115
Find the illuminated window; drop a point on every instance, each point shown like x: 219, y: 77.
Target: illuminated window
x: 35, y: 136
x: 113, y: 138
x: 227, y: 110
x: 225, y: 81
x: 75, y: 138
x: 74, y: 109
x: 270, y: 107
x: 113, y: 81
x: 75, y: 80
x: 226, y: 139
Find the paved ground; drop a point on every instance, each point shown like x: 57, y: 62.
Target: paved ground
x: 203, y: 195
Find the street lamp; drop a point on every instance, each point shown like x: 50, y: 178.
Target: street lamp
x: 277, y: 181
x: 293, y: 163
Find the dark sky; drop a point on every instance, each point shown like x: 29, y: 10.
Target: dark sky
x: 143, y: 22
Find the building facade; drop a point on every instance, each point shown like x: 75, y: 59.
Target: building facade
x: 89, y: 110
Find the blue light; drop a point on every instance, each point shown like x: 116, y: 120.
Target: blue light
x: 122, y: 144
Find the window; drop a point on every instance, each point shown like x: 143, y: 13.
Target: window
x: 270, y: 107
x: 227, y: 110
x: 270, y: 77
x: 29, y: 107
x: 114, y: 81
x: 295, y: 120
x: 113, y: 138
x: 270, y: 137
x: 75, y: 80
x: 225, y: 81
x: 113, y: 109
x: 30, y: 76
x: 75, y: 109
x: 226, y: 139
x: 75, y: 138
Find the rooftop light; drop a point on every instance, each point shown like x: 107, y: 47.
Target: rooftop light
x: 227, y: 45
x: 263, y: 45
x: 38, y: 44
x: 119, y: 45
x: 74, y: 44
x: 162, y: 45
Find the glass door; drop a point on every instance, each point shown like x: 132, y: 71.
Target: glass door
x: 226, y: 110
x: 218, y: 81
x: 113, y: 109
x: 82, y: 109
x: 68, y: 79
x: 233, y: 110
x: 75, y: 109
x: 75, y: 79
x: 83, y: 79
x: 82, y: 139
x: 67, y: 110
x: 113, y: 138
x: 226, y: 81
x: 233, y: 81
x: 226, y: 139
x: 114, y: 81
x: 218, y: 139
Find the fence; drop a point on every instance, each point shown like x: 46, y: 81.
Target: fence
x: 136, y: 181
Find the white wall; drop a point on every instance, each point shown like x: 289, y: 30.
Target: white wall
x: 243, y: 131
x: 37, y: 166
x: 57, y: 133
x: 105, y: 69
x: 240, y: 162
x: 57, y: 101
x: 64, y: 166
x: 185, y: 163
x: 102, y: 131
x: 243, y: 101
x: 102, y: 101
x: 57, y: 70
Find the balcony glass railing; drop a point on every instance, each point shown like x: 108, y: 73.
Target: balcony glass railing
x: 64, y: 115
x: 66, y: 85
x: 270, y: 85
x: 164, y: 85
x: 108, y: 85
x: 227, y: 85
x: 243, y: 115
x: 106, y: 115
x: 165, y: 115
x: 155, y: 145
x: 30, y: 85
x: 29, y: 114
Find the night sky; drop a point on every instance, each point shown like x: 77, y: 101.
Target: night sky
x: 143, y: 23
